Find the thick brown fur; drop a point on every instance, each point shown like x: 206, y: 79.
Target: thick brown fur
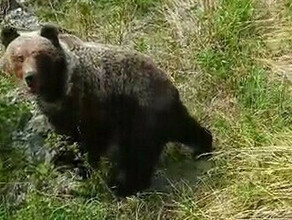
x: 102, y: 96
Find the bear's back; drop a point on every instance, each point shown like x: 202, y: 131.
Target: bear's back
x: 112, y: 70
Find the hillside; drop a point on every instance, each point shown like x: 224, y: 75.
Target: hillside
x: 232, y: 63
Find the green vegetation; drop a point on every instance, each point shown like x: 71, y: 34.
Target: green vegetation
x: 231, y: 60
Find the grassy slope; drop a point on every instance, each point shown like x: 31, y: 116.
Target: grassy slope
x: 230, y: 60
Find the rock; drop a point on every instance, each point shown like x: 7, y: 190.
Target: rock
x: 12, y: 13
x: 8, y: 5
x: 21, y: 19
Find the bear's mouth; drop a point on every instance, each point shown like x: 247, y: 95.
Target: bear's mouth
x: 30, y: 81
x: 32, y: 90
x: 31, y: 87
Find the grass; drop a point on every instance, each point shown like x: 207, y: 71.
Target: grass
x: 231, y: 61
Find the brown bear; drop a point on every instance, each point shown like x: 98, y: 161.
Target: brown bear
x: 102, y: 95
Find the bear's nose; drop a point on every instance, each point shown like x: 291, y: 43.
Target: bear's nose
x: 29, y: 79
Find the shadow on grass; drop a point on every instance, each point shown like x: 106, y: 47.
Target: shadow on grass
x: 171, y: 172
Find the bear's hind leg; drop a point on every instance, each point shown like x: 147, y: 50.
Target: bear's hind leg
x: 137, y: 160
x: 196, y: 136
x: 95, y: 147
x: 187, y: 130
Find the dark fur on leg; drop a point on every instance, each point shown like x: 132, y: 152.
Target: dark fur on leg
x: 187, y: 130
x: 138, y: 155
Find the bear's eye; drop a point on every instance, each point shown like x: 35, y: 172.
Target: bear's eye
x: 20, y: 59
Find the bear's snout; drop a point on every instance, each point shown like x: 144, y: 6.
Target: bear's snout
x: 30, y: 79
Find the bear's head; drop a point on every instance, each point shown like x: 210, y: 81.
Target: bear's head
x: 37, y: 59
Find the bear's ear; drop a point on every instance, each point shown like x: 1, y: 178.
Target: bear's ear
x: 8, y: 34
x: 51, y: 32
